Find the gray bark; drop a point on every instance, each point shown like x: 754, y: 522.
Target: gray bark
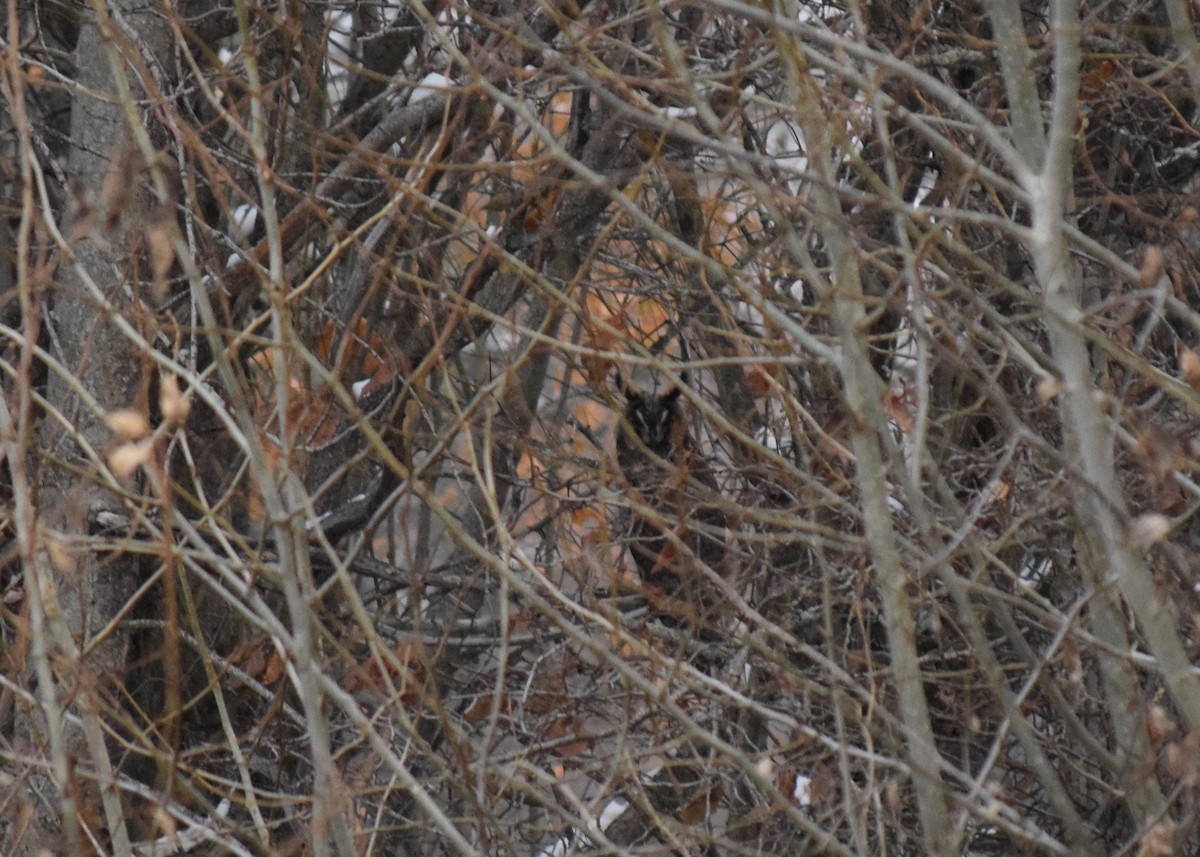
x: 97, y: 370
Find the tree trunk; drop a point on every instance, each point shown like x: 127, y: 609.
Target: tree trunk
x: 98, y: 370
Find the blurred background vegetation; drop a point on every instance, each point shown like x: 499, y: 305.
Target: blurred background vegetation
x: 683, y: 428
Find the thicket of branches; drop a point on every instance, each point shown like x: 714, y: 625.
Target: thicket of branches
x: 322, y: 530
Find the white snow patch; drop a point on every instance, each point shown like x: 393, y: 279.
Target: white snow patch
x: 802, y: 790
x: 243, y: 220
x: 431, y: 84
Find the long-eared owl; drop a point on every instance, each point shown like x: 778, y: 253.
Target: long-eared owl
x: 674, y: 521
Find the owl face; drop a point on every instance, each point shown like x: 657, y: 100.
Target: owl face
x: 655, y: 420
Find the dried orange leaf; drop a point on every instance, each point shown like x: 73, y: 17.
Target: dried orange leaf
x: 997, y: 490
x: 483, y: 706
x: 1159, y: 724
x: 1183, y: 758
x: 174, y: 405
x: 127, y: 424
x: 700, y: 807
x: 759, y: 380
x: 597, y: 367
x: 59, y: 555
x: 116, y: 191
x: 1153, y: 264
x: 1159, y: 841
x: 896, y: 405
x: 1148, y: 529
x: 274, y: 669
x: 127, y: 458
x: 250, y: 657
x: 1073, y: 659
x: 1189, y: 367
x: 162, y: 257
x: 1048, y: 388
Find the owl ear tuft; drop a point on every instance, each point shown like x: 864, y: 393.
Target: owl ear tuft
x: 630, y: 392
